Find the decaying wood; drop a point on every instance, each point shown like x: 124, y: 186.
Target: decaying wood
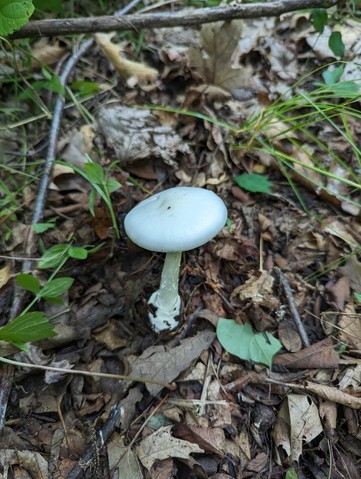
x: 71, y: 26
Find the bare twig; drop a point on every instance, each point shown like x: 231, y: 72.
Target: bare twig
x: 292, y: 305
x: 196, y: 17
x: 102, y: 437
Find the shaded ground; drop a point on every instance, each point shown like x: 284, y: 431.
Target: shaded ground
x: 223, y: 418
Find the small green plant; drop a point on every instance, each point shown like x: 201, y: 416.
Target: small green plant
x: 34, y: 325
x: 102, y: 185
x: 320, y: 19
x: 241, y: 341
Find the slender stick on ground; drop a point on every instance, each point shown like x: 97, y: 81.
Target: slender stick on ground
x: 292, y: 305
x: 195, y: 17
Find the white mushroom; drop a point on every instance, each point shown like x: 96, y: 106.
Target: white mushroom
x: 175, y: 220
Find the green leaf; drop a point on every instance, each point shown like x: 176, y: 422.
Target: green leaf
x: 53, y: 85
x: 56, y: 287
x: 291, y: 474
x: 336, y: 44
x: 358, y: 297
x: 85, y: 88
x: 254, y: 183
x: 234, y: 337
x: 94, y: 173
x: 42, y: 227
x: 54, y: 256
x: 14, y: 14
x: 263, y: 347
x: 28, y: 282
x: 112, y: 185
x: 27, y: 327
x: 332, y: 75
x: 319, y: 19
x: 241, y: 341
x: 78, y: 253
x: 92, y: 199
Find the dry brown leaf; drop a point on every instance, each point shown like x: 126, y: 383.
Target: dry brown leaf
x: 136, y: 134
x: 352, y: 269
x: 122, y: 460
x: 339, y: 229
x: 319, y: 355
x: 162, y: 445
x: 126, y: 68
x: 350, y: 327
x: 333, y: 394
x: 289, y: 337
x: 258, y: 289
x: 32, y: 462
x: 351, y: 378
x: 219, y: 41
x: 161, y: 364
x: 45, y: 53
x: 328, y: 412
x: 5, y: 273
x: 339, y: 292
x: 211, y: 439
x: 297, y: 421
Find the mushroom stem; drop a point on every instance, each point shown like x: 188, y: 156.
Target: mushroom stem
x: 166, y: 300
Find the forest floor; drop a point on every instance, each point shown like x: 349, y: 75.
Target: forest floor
x: 193, y: 107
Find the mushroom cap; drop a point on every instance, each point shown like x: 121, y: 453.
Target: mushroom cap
x: 178, y: 219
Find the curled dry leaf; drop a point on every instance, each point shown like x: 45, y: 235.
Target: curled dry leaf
x: 126, y: 68
x: 333, y: 394
x: 319, y: 355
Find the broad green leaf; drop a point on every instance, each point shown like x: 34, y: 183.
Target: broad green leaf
x: 14, y: 14
x: 27, y: 327
x: 358, y: 297
x: 85, y: 88
x: 112, y: 185
x: 254, y: 183
x: 332, y: 75
x: 319, y: 19
x: 336, y: 44
x: 263, y: 347
x: 78, y: 252
x: 291, y: 474
x: 234, y: 337
x: 94, y: 173
x: 28, y: 282
x: 54, y: 256
x: 56, y: 287
x: 41, y: 227
x: 241, y: 341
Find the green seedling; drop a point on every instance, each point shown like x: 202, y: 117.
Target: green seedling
x: 102, y: 185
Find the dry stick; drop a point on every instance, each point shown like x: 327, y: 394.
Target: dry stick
x: 292, y: 305
x: 102, y: 437
x: 19, y: 296
x: 196, y: 17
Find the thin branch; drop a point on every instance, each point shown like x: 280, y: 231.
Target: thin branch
x: 292, y: 305
x: 69, y: 26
